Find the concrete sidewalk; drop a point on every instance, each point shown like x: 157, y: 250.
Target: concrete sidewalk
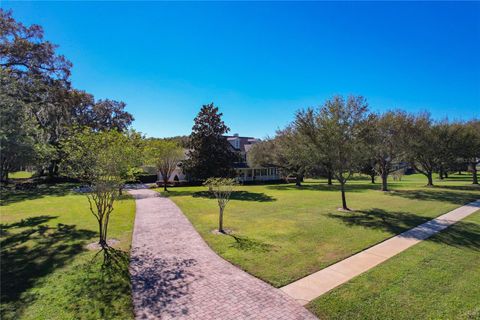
x: 319, y: 283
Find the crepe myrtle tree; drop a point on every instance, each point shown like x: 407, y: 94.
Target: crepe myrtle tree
x: 165, y: 156
x: 222, y: 189
x: 104, y: 160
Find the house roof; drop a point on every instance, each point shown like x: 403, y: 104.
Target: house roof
x: 245, y: 143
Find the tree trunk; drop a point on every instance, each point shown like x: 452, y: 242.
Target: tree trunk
x: 165, y: 181
x: 298, y: 180
x: 384, y: 181
x: 440, y: 173
x: 344, y: 200
x: 329, y: 177
x: 474, y: 174
x: 372, y: 176
x: 51, y: 169
x: 446, y: 174
x: 430, y: 179
x: 102, y: 242
x: 220, y: 221
x: 120, y: 190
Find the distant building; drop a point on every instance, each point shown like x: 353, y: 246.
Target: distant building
x: 241, y: 146
x: 244, y: 173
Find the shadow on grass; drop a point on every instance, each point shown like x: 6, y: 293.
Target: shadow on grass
x: 463, y: 177
x: 160, y: 286
x: 236, y: 195
x: 392, y: 222
x: 30, y: 250
x: 323, y: 186
x: 246, y: 244
x: 101, y: 288
x: 462, y: 234
x: 8, y: 196
x: 440, y: 193
x: 461, y: 188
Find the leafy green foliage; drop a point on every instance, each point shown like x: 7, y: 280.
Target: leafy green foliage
x: 387, y: 135
x: 337, y: 130
x: 35, y: 83
x: 105, y: 160
x: 165, y: 155
x: 210, y: 154
x: 288, y: 151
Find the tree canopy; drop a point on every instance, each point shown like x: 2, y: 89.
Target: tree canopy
x: 35, y: 83
x: 165, y: 155
x: 210, y: 153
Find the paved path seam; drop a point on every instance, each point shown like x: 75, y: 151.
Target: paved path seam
x: 319, y: 283
x: 175, y: 275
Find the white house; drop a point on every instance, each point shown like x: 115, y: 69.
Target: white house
x: 241, y: 145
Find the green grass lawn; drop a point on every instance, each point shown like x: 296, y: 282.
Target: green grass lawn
x: 20, y: 175
x: 46, y: 271
x: 282, y: 233
x: 436, y: 279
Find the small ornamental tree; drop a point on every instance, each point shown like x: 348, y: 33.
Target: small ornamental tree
x: 104, y: 161
x: 164, y: 155
x: 221, y: 188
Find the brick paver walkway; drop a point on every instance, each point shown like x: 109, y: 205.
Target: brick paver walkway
x: 319, y: 283
x: 176, y: 275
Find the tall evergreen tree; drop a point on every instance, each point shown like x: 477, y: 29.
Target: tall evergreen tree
x: 210, y: 153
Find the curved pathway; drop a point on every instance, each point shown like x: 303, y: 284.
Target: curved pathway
x: 176, y: 275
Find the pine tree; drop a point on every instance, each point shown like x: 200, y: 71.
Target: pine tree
x: 210, y: 153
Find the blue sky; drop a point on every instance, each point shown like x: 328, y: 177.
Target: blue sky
x: 260, y: 62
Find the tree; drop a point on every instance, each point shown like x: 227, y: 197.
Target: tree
x: 24, y: 51
x: 106, y: 115
x: 368, y: 168
x: 30, y: 64
x: 450, y: 136
x: 286, y: 151
x: 387, y: 134
x: 221, y: 188
x: 165, y: 156
x: 105, y: 161
x: 210, y: 153
x: 422, y: 146
x: 17, y: 129
x: 40, y: 76
x: 470, y: 150
x: 337, y: 129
